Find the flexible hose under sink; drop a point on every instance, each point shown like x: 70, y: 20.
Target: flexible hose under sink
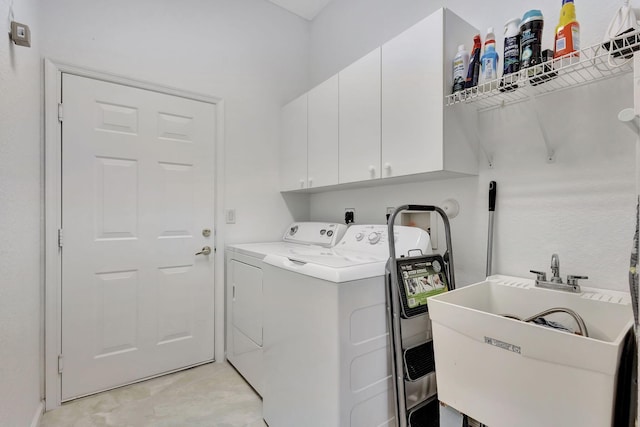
x: 581, y: 325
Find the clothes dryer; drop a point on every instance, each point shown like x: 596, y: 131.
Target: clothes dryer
x: 244, y: 282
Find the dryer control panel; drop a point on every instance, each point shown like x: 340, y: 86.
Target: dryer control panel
x: 315, y: 233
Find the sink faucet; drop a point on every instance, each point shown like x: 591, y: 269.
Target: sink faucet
x: 555, y: 269
x: 555, y: 282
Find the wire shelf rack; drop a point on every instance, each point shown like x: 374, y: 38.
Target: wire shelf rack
x: 597, y: 62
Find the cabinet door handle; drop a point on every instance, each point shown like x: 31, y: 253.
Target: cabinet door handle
x: 387, y: 167
x: 302, y: 183
x: 310, y: 182
x: 372, y: 171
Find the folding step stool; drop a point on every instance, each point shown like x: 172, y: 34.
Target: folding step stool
x: 410, y: 280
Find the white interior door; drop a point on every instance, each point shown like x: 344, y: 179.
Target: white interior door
x: 137, y: 193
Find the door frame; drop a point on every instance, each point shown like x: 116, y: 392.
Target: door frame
x: 53, y: 71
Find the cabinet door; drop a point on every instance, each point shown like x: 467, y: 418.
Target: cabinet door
x: 323, y: 134
x: 360, y: 120
x: 293, y: 149
x: 412, y: 99
x: 246, y: 307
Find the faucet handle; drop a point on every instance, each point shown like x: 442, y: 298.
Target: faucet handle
x: 573, y: 280
x: 541, y: 276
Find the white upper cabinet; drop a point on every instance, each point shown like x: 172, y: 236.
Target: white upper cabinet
x: 418, y: 134
x: 323, y: 134
x: 359, y: 154
x: 384, y: 116
x: 293, y: 150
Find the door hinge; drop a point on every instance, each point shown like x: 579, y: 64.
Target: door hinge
x: 60, y: 363
x: 60, y: 237
x: 60, y: 112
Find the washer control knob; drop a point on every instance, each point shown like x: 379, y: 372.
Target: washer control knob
x: 330, y: 233
x: 374, y: 238
x: 359, y: 236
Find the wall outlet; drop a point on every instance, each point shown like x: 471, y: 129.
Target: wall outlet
x: 349, y: 215
x: 390, y: 211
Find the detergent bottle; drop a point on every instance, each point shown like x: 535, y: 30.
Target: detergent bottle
x: 460, y: 66
x: 511, y: 46
x: 567, y: 32
x: 473, y: 73
x: 531, y: 40
x: 511, y: 58
x: 489, y: 59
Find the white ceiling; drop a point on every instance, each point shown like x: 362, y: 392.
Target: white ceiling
x: 308, y: 9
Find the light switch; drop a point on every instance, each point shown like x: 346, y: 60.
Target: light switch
x: 231, y: 216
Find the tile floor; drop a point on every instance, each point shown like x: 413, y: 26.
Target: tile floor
x: 212, y: 395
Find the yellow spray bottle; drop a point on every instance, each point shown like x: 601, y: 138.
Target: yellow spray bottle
x: 567, y: 32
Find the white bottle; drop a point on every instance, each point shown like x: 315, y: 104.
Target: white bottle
x: 460, y: 66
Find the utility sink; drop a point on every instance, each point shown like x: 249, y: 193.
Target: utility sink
x: 505, y: 373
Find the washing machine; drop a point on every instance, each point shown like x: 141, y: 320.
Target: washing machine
x: 326, y: 351
x: 244, y: 288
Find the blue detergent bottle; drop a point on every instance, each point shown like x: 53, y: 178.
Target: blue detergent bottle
x: 489, y: 60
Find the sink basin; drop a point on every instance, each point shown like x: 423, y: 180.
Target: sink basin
x: 504, y: 372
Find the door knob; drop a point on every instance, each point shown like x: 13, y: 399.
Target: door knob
x: 205, y: 251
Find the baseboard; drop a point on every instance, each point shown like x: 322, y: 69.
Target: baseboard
x: 37, y: 417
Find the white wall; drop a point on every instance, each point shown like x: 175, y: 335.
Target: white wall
x: 581, y: 207
x: 250, y: 53
x: 20, y: 244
